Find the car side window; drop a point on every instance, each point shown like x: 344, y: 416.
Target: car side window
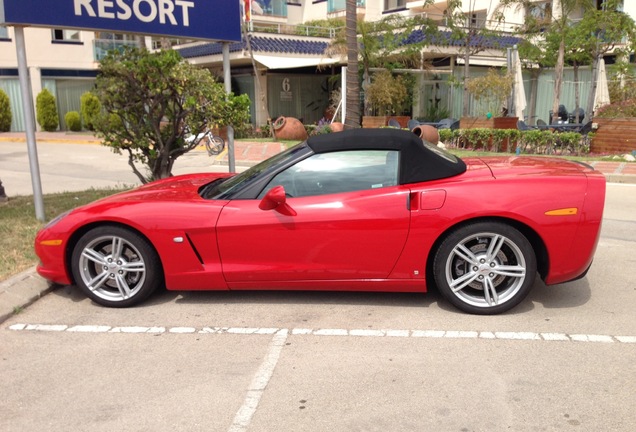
x: 338, y: 172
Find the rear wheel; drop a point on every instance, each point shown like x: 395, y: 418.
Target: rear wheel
x: 115, y: 266
x: 485, y: 268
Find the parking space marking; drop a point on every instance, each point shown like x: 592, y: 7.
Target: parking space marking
x: 244, y: 415
x: 338, y: 332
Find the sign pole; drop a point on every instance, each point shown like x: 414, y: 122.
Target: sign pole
x: 228, y: 89
x: 27, y: 107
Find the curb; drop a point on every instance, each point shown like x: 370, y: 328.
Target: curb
x: 20, y: 291
x: 53, y: 140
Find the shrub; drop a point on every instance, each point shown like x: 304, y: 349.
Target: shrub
x: 321, y: 130
x: 626, y: 108
x: 475, y: 138
x: 5, y: 112
x: 90, y: 109
x: 386, y: 93
x: 46, y: 109
x: 446, y: 136
x: 73, y: 122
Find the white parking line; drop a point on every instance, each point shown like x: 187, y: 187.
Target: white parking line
x: 434, y: 334
x: 259, y: 383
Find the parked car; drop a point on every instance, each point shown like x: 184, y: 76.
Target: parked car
x: 367, y: 209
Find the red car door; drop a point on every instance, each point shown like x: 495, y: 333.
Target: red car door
x: 341, y: 236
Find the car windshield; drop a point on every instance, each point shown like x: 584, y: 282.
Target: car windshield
x: 223, y: 188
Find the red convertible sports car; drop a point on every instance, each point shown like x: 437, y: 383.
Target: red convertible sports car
x: 360, y: 210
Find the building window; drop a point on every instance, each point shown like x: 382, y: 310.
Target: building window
x: 602, y: 5
x: 476, y: 19
x: 539, y: 12
x: 340, y: 5
x: 4, y: 33
x: 394, y: 4
x: 62, y: 35
x: 277, y: 8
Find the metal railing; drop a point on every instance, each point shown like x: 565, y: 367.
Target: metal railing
x: 294, y: 30
x: 101, y: 47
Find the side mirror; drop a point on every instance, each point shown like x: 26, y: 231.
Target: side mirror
x: 275, y: 199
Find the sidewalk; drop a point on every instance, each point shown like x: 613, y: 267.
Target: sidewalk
x: 246, y: 153
x: 249, y: 153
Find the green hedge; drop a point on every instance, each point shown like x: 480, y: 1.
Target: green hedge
x: 533, y: 141
x: 5, y: 112
x: 46, y: 110
x: 90, y: 108
x: 73, y: 122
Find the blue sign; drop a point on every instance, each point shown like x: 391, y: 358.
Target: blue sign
x: 190, y: 19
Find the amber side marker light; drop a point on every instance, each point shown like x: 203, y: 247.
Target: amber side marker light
x: 51, y: 242
x: 563, y: 212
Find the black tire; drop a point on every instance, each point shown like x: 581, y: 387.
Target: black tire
x: 213, y: 144
x: 115, y: 266
x: 485, y: 268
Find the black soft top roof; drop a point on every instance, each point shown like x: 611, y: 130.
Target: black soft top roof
x: 419, y: 162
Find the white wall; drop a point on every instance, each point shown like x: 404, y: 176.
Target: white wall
x: 42, y: 53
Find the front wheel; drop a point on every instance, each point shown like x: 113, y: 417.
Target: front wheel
x: 485, y: 268
x: 213, y: 144
x: 115, y: 266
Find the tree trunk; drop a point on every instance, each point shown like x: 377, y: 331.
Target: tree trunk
x: 589, y: 112
x: 577, y: 92
x: 466, y: 98
x: 558, y: 78
x: 352, y: 115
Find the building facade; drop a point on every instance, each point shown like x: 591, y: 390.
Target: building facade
x: 282, y: 64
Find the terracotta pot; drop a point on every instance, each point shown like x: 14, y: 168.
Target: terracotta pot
x: 427, y: 133
x: 337, y: 127
x: 289, y: 128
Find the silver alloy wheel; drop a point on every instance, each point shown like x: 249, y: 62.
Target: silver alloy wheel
x: 112, y: 268
x: 485, y: 269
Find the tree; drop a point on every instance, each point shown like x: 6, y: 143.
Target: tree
x: 386, y: 92
x: 352, y: 115
x: 492, y: 88
x: 467, y: 29
x: 601, y: 32
x: 559, y: 28
x: 391, y: 43
x: 153, y: 101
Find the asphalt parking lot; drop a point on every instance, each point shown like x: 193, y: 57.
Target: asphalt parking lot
x: 307, y: 361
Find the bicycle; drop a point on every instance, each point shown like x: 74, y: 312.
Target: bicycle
x: 214, y: 144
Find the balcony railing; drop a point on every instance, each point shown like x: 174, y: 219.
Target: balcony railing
x: 101, y: 47
x: 287, y: 29
x: 340, y: 5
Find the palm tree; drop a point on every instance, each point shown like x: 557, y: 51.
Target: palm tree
x: 352, y: 115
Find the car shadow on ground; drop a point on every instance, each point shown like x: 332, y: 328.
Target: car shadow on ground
x: 562, y: 296
x: 362, y: 298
